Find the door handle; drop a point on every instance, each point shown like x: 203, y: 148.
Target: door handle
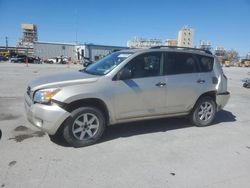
x: 160, y: 84
x: 200, y: 81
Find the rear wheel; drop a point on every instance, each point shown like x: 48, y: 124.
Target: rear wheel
x: 85, y: 127
x: 204, y: 112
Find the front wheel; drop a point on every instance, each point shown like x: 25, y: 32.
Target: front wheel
x: 85, y: 127
x: 204, y: 112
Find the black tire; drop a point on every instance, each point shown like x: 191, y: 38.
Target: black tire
x: 75, y: 138
x: 205, y: 106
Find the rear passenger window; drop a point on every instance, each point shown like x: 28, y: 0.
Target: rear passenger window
x: 179, y: 63
x: 206, y: 63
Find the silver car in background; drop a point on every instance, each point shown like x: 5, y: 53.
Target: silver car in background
x: 127, y: 86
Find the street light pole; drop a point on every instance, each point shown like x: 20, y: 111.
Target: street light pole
x: 6, y: 42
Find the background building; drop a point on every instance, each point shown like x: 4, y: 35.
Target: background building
x: 205, y: 45
x: 94, y: 52
x: 171, y: 42
x: 185, y: 37
x: 138, y: 42
x: 12, y: 51
x: 221, y: 53
x: 47, y: 50
x: 29, y: 35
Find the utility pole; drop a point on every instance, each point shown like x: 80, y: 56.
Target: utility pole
x: 6, y: 42
x: 26, y: 59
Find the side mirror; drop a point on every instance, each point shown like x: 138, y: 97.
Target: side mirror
x: 124, y: 74
x: 86, y: 64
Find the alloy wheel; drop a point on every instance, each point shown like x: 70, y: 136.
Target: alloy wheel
x: 205, y: 111
x: 85, y: 126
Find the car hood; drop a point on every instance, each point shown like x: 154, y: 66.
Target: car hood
x: 62, y: 79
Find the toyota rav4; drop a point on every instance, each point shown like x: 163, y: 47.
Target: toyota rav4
x: 127, y: 86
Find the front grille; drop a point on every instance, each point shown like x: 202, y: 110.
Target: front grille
x: 28, y: 98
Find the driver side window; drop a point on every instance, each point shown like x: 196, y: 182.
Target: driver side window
x: 145, y: 65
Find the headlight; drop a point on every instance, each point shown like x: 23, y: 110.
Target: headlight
x: 45, y: 95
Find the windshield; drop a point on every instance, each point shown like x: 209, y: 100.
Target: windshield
x: 107, y: 64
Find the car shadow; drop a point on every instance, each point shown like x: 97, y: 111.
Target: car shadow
x: 144, y: 127
x: 59, y: 140
x: 159, y: 125
x: 224, y: 116
x: 149, y: 126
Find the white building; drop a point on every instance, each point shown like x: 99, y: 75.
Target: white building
x: 138, y: 42
x: 205, y: 45
x: 185, y: 37
x: 76, y: 52
x: 220, y: 51
x: 47, y: 50
x: 95, y: 52
x: 171, y: 42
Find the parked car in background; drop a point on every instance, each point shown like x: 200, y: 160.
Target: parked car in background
x: 23, y: 58
x: 36, y: 60
x: 18, y: 59
x: 57, y: 60
x: 127, y: 86
x: 50, y: 60
x: 86, y: 62
x: 3, y: 58
x: 64, y: 60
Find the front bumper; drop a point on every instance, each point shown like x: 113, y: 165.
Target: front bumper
x: 45, y: 117
x: 222, y: 99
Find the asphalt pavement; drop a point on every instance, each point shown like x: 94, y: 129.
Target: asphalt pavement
x: 157, y: 153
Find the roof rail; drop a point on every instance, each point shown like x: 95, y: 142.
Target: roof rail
x: 185, y: 48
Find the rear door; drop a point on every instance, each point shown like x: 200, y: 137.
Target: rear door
x: 211, y: 79
x: 184, y: 83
